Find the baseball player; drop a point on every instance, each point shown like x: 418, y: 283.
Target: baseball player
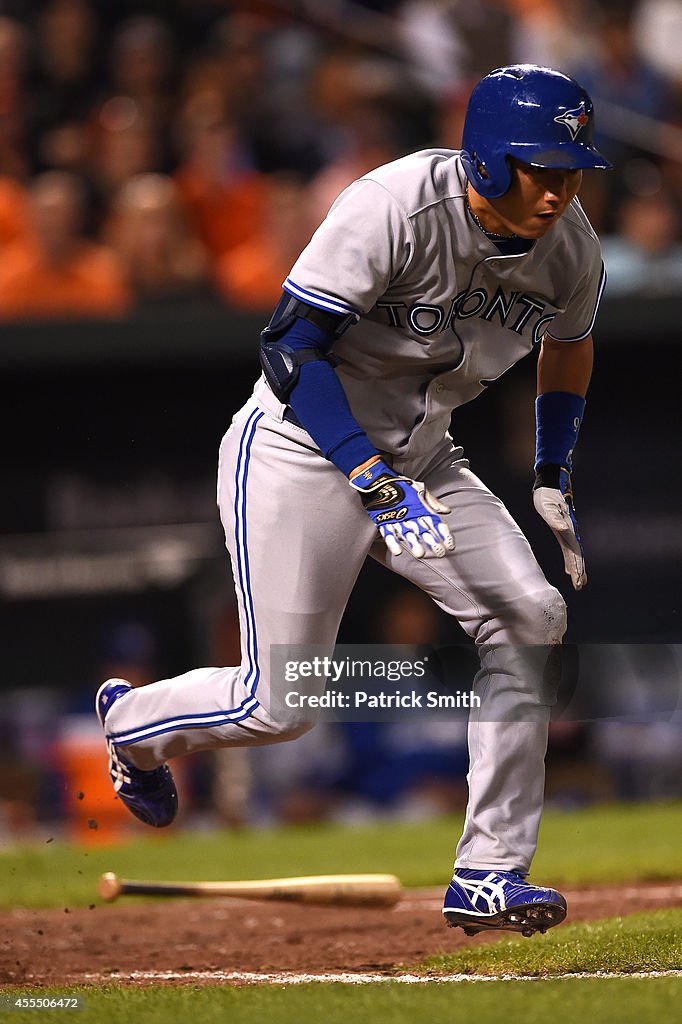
x: 429, y: 277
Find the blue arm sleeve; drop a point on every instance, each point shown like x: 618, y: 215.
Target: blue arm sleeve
x: 321, y: 406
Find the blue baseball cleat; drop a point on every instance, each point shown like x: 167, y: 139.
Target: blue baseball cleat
x: 477, y: 900
x: 150, y: 796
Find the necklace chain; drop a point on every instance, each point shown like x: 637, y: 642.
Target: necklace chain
x: 490, y: 234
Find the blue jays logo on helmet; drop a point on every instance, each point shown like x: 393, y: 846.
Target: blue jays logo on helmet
x: 574, y: 120
x: 534, y: 114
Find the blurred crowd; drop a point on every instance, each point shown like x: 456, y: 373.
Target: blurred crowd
x: 183, y: 152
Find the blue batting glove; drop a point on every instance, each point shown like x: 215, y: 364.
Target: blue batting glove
x: 553, y: 500
x: 405, y: 513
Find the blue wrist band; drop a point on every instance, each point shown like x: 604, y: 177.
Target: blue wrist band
x: 558, y: 415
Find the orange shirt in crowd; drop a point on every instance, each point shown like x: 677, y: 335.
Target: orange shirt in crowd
x: 251, y: 276
x: 89, y: 284
x: 224, y: 215
x: 14, y: 215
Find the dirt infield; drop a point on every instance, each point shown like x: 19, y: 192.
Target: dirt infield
x: 124, y: 941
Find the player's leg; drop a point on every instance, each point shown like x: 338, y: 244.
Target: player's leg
x: 297, y: 537
x: 493, y: 585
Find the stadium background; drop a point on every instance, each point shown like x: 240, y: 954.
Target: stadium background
x: 161, y: 164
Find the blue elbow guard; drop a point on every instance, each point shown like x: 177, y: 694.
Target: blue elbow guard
x: 281, y: 365
x: 297, y: 333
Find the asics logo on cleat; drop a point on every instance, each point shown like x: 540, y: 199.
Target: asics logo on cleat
x: 488, y: 900
x: 119, y: 776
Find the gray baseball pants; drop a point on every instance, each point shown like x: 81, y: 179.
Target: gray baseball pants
x: 298, y: 536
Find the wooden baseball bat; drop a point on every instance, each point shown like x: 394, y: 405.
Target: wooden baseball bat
x: 373, y: 890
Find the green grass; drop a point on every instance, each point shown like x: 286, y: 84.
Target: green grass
x: 613, y: 1001
x: 613, y: 843
x: 602, y: 844
x: 639, y: 942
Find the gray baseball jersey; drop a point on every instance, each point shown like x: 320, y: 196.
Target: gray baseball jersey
x: 442, y: 310
x: 441, y: 313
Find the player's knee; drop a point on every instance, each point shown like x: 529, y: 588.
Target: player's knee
x: 540, y: 617
x: 283, y: 731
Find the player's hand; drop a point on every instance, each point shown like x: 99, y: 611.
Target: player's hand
x: 553, y: 500
x: 405, y: 513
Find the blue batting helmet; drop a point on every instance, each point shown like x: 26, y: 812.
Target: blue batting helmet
x: 535, y: 114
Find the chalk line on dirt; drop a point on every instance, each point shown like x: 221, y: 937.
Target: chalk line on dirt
x: 356, y: 978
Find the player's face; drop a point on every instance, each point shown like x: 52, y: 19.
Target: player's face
x: 536, y: 199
